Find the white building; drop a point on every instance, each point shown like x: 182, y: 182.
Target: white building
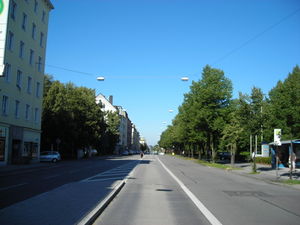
x: 135, y: 138
x: 23, y: 38
x: 107, y: 106
x: 123, y: 145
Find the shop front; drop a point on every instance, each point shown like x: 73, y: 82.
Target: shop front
x: 3, y: 145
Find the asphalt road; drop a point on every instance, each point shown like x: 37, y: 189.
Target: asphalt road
x: 153, y: 196
x: 19, y: 184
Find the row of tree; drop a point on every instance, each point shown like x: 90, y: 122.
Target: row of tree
x: 72, y: 120
x: 210, y: 120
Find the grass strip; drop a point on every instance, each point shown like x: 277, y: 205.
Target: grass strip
x: 291, y: 182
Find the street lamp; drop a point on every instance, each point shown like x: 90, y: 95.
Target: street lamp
x: 184, y: 78
x: 100, y: 78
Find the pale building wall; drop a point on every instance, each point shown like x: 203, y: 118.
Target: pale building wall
x: 24, y: 59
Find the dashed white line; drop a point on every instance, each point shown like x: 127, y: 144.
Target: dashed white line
x: 209, y: 216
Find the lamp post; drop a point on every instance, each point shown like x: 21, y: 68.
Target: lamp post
x: 100, y: 78
x: 184, y: 79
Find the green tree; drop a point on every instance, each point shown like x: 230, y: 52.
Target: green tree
x: 284, y: 107
x: 111, y: 134
x: 232, y: 133
x: 71, y: 115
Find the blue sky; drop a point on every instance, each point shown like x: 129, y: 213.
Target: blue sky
x: 144, y: 47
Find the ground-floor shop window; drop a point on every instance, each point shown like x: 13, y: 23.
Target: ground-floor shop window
x: 2, y: 149
x: 30, y: 149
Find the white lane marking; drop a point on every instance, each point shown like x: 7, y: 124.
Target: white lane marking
x: 11, y: 187
x: 114, y: 171
x: 209, y: 216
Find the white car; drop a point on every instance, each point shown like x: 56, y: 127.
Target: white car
x: 50, y: 156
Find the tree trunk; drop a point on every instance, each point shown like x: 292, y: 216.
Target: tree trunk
x: 212, y: 146
x: 199, y: 152
x: 233, y: 151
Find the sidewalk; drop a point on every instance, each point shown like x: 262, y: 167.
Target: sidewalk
x: 266, y: 173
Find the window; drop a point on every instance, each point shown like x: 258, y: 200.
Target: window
x: 41, y: 39
x: 17, y: 109
x: 13, y: 10
x: 4, y: 105
x: 24, y: 21
x: 44, y: 16
x: 19, y: 79
x: 21, y: 52
x: 7, y: 72
x: 31, y: 57
x: 35, y: 6
x: 33, y: 31
x: 27, y: 111
x: 10, y: 40
x: 40, y: 64
x: 29, y: 81
x: 36, y: 115
x: 37, y: 90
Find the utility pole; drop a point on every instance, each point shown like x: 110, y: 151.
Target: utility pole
x: 291, y: 160
x: 250, y: 145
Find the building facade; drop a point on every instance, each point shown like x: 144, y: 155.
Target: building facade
x: 23, y: 38
x: 127, y: 137
x: 135, y: 140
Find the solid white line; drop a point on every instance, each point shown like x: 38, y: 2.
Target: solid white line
x: 13, y: 186
x: 209, y: 216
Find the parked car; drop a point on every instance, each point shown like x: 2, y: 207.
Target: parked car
x: 50, y: 156
x: 94, y: 152
x: 224, y: 155
x: 125, y: 153
x: 131, y: 152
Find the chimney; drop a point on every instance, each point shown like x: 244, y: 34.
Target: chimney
x: 110, y: 99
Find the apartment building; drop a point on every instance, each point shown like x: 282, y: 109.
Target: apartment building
x: 23, y: 38
x: 127, y: 138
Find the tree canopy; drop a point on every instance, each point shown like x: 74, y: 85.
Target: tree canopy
x: 209, y: 120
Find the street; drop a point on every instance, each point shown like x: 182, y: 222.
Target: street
x: 155, y: 190
x: 19, y: 185
x: 152, y: 196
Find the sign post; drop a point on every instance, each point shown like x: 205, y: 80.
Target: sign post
x: 277, y: 142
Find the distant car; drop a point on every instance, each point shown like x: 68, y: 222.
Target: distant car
x: 161, y: 153
x: 50, y: 156
x: 131, y: 152
x: 94, y: 152
x: 224, y: 155
x: 125, y: 153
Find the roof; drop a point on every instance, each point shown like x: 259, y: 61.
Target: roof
x: 48, y: 2
x: 295, y: 141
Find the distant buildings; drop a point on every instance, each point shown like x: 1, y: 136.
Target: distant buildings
x: 23, y: 37
x: 129, y: 136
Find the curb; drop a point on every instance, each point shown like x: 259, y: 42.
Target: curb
x: 93, y: 215
x: 96, y: 212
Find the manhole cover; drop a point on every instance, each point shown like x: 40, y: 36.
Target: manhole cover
x: 247, y: 194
